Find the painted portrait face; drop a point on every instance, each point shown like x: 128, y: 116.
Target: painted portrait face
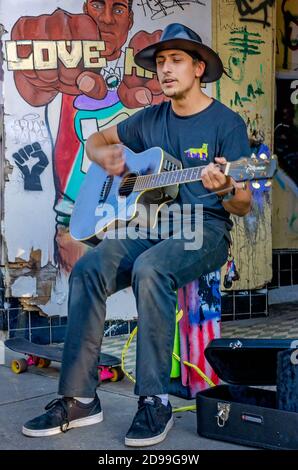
x: 114, y: 19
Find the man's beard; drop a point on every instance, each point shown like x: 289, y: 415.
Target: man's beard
x: 175, y: 94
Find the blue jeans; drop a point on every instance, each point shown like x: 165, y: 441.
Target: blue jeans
x: 154, y: 269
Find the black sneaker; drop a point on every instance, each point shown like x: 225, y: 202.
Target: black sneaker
x: 63, y: 414
x: 151, y: 423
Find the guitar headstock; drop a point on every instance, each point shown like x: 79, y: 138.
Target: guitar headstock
x: 246, y: 169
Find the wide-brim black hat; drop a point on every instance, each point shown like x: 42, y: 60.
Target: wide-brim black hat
x: 178, y: 36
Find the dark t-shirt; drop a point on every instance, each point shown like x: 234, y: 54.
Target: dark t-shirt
x: 195, y: 140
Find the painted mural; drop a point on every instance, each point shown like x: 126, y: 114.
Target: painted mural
x: 285, y: 214
x: 69, y: 71
x: 200, y: 302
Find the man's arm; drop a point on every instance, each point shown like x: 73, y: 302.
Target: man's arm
x: 214, y: 180
x: 103, y: 148
x: 240, y: 204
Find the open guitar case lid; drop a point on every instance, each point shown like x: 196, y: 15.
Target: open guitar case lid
x: 246, y: 361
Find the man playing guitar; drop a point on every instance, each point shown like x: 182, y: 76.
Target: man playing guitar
x: 197, y: 130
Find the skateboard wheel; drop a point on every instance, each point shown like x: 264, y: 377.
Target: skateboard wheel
x: 43, y: 363
x: 118, y: 374
x: 19, y: 365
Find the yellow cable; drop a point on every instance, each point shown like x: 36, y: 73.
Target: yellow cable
x: 127, y: 344
x: 185, y: 408
x: 197, y: 369
x: 123, y: 354
x: 179, y: 315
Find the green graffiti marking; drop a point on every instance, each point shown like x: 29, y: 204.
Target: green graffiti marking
x: 236, y: 69
x: 242, y: 45
x: 252, y: 93
x: 244, y: 42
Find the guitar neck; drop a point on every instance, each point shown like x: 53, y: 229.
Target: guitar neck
x: 169, y: 178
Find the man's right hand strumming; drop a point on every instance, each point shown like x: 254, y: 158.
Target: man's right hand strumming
x: 104, y: 149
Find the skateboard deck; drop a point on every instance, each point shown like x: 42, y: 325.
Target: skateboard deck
x: 41, y: 356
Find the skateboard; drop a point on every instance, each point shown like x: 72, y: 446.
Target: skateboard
x: 41, y: 355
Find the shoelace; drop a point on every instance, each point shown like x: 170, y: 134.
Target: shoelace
x: 149, y: 410
x: 54, y: 404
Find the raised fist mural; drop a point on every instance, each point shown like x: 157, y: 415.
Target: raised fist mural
x: 135, y: 91
x: 31, y: 161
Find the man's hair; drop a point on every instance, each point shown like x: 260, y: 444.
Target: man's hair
x: 195, y: 56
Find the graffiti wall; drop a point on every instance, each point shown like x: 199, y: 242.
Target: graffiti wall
x: 287, y: 35
x: 285, y: 194
x: 244, y: 33
x: 69, y: 71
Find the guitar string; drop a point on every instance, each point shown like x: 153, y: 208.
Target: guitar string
x: 131, y: 185
x: 181, y: 171
x: 130, y: 182
x: 202, y: 196
x: 213, y: 192
x: 132, y: 179
x: 165, y: 173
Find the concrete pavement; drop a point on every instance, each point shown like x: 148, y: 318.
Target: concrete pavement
x: 23, y: 397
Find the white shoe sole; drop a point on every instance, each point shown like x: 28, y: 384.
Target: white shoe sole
x: 150, y: 440
x: 77, y: 423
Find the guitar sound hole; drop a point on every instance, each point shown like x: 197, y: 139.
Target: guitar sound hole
x: 127, y: 184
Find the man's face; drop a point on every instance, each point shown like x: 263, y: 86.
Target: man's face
x: 177, y: 72
x: 114, y: 20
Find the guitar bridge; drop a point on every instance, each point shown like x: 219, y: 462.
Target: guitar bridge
x: 106, y: 187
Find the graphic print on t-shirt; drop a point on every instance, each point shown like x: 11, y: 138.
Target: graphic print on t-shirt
x: 200, y: 153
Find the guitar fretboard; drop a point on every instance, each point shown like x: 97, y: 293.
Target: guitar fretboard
x: 168, y: 178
